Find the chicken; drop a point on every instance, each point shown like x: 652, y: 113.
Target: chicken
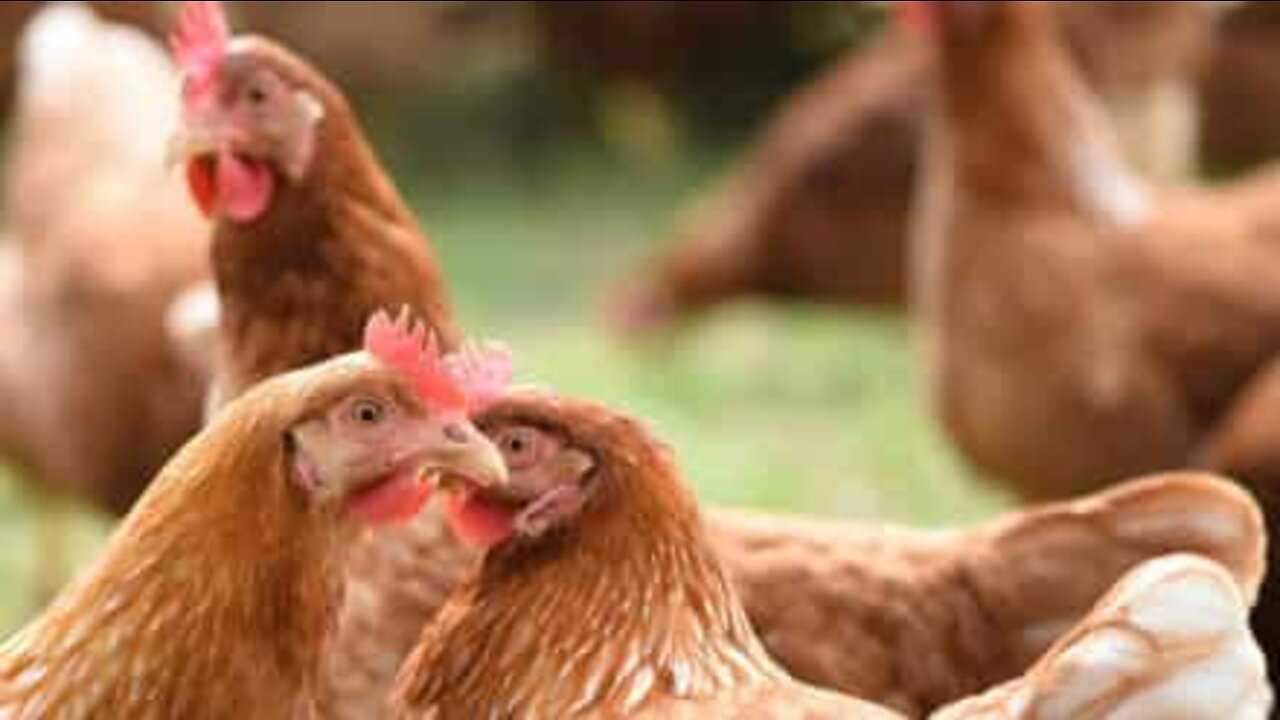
x: 599, y: 595
x: 819, y: 208
x: 912, y: 620
x: 215, y: 596
x: 104, y: 240
x: 594, y: 523
x: 1170, y: 641
x: 1082, y: 326
x: 310, y: 236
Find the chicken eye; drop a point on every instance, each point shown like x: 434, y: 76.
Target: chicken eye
x: 519, y: 446
x: 256, y: 95
x: 368, y: 412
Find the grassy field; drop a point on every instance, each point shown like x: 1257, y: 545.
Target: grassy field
x: 794, y: 409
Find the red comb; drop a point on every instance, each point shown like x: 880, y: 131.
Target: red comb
x: 200, y: 41
x: 404, y: 344
x: 918, y: 15
x: 484, y: 371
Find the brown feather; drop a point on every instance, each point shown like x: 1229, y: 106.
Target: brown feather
x: 624, y: 612
x: 215, y: 596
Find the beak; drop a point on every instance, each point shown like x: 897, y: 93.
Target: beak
x: 464, y: 452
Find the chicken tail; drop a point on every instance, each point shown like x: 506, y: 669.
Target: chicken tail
x: 1044, y: 570
x: 1172, y: 639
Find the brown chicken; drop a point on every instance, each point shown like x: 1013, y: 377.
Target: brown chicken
x: 599, y: 596
x: 602, y: 594
x: 104, y: 240
x: 819, y: 208
x: 1083, y: 327
x: 215, y: 596
x: 310, y: 234
x: 912, y: 620
x: 1170, y: 641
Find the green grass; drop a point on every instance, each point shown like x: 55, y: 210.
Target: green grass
x: 794, y: 409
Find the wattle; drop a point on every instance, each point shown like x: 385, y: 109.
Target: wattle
x: 245, y: 187
x: 238, y: 187
x: 394, y: 501
x: 477, y: 522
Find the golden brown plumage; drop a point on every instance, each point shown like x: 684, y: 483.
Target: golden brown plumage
x: 215, y: 596
x: 1171, y: 640
x: 105, y: 239
x: 1082, y: 326
x: 609, y: 605
x: 909, y: 619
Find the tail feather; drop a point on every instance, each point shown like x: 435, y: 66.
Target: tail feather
x: 1171, y: 640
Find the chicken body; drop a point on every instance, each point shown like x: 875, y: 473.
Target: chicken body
x: 819, y: 210
x: 1082, y: 327
x: 104, y: 240
x: 616, y: 605
x: 915, y: 620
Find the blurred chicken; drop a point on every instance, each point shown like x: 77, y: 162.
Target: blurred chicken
x: 310, y: 235
x: 1170, y: 641
x: 819, y: 209
x: 215, y: 596
x: 1242, y: 90
x: 1081, y: 326
x: 96, y: 398
x: 595, y: 521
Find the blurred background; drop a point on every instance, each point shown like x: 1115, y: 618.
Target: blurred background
x: 554, y: 149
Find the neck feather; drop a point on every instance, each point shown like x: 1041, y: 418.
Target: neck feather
x: 221, y: 585
x: 298, y: 285
x: 628, y: 609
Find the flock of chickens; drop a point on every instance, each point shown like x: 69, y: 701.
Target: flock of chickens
x: 539, y: 556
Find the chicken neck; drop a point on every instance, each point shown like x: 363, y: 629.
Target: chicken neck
x: 624, y: 609
x: 213, y: 599
x: 297, y: 285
